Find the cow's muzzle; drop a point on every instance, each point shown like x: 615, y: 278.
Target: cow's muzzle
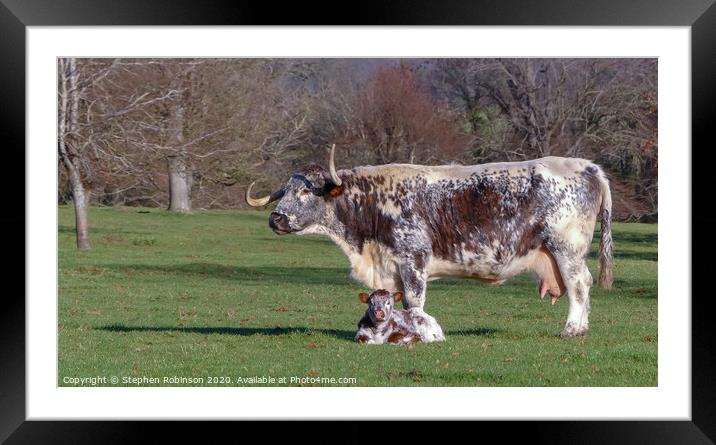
x: 279, y: 223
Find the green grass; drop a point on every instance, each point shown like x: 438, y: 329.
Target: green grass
x: 216, y: 293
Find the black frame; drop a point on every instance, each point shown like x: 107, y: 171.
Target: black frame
x: 15, y: 15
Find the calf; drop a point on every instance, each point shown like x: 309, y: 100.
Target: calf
x: 383, y: 324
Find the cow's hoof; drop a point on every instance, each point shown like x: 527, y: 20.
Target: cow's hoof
x: 572, y: 331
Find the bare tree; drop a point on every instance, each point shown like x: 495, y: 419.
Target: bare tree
x: 73, y: 147
x: 180, y: 178
x: 151, y: 113
x: 395, y: 119
x: 270, y: 114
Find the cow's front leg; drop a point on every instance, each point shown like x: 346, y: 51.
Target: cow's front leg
x: 414, y: 285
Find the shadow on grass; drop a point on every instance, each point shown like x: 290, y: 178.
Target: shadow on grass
x: 624, y: 240
x: 102, y: 231
x: 631, y: 237
x: 267, y: 274
x: 275, y: 331
x: 475, y: 332
x: 243, y: 332
x: 634, y: 255
x: 625, y: 236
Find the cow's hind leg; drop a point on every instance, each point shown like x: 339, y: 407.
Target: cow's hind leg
x: 578, y: 281
x: 571, y: 258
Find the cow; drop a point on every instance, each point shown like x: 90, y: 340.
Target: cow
x: 402, y: 225
x: 383, y: 324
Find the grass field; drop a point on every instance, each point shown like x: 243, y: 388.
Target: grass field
x: 217, y: 294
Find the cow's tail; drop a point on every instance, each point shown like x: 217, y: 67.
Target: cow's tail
x: 606, y: 259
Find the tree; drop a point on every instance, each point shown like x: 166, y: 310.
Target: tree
x: 178, y: 172
x: 152, y: 127
x: 396, y: 120
x: 69, y: 152
x: 75, y: 147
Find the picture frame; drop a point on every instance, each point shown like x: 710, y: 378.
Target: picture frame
x: 16, y: 15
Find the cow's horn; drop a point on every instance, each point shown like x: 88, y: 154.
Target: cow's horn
x: 258, y: 202
x: 332, y: 167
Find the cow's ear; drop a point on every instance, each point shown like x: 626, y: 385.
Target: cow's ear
x: 363, y: 297
x: 398, y: 296
x: 332, y: 189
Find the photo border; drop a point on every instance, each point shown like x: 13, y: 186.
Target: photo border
x: 17, y: 14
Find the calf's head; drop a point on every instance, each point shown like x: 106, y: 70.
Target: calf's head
x: 303, y: 199
x: 380, y: 304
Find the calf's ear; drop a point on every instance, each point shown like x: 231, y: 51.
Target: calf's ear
x: 363, y: 297
x: 398, y: 296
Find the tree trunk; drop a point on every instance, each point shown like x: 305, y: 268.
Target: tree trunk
x: 179, y: 185
x: 80, y: 197
x: 179, y: 174
x: 69, y: 111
